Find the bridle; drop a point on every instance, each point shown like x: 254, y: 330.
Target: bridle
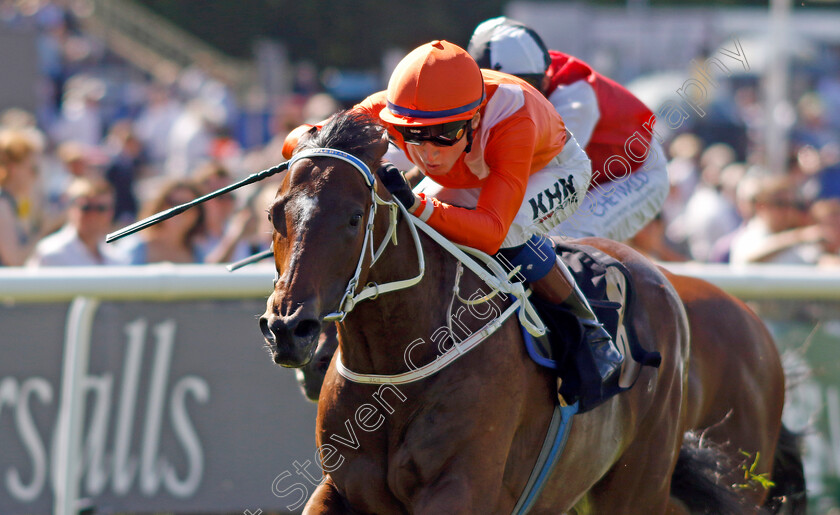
x: 371, y: 290
x: 490, y: 271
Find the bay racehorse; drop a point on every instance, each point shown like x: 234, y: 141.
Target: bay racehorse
x: 735, y: 391
x: 464, y: 439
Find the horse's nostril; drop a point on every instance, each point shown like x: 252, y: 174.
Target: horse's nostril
x: 307, y: 329
x: 265, y: 329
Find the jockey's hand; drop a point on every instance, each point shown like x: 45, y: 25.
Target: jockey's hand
x: 394, y: 182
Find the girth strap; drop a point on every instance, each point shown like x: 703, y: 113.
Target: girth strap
x: 552, y: 449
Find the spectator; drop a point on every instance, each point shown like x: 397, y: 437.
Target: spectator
x: 19, y: 227
x: 319, y: 106
x: 52, y: 38
x: 828, y: 88
x: 16, y: 118
x: 777, y: 232
x: 127, y: 161
x: 826, y: 215
x: 80, y: 160
x: 154, y: 124
x: 825, y: 180
x: 743, y: 193
x: 684, y: 174
x: 72, y: 160
x: 173, y: 240
x: 709, y: 214
x: 81, y: 116
x: 191, y: 137
x: 225, y: 230
x: 81, y: 242
x: 812, y: 127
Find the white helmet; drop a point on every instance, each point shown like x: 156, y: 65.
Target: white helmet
x: 509, y: 46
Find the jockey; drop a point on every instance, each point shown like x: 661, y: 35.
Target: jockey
x: 500, y: 170
x: 630, y: 181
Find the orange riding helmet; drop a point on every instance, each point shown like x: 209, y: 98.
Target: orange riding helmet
x: 436, y: 83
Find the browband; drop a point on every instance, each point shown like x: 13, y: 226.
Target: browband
x: 357, y: 163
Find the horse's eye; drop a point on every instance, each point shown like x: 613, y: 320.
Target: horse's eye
x: 355, y: 219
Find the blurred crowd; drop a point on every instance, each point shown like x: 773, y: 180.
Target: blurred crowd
x: 724, y: 210
x: 97, y: 155
x: 101, y: 152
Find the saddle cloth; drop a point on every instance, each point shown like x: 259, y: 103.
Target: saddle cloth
x: 608, y: 286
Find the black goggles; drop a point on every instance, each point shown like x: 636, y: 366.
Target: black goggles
x: 446, y: 134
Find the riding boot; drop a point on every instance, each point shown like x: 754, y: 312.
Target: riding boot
x: 559, y: 287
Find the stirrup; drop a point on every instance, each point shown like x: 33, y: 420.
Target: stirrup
x: 608, y: 359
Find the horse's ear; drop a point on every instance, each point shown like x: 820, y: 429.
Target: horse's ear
x: 298, y: 135
x: 308, y: 134
x: 377, y: 150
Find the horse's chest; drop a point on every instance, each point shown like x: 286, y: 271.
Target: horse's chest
x: 359, y: 464
x: 391, y: 463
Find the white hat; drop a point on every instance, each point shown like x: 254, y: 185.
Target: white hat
x: 506, y: 45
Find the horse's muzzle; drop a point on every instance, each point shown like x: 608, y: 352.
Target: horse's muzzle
x: 292, y: 339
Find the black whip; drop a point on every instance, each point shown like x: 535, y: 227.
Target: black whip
x: 169, y: 213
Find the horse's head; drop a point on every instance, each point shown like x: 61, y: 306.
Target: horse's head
x: 319, y: 218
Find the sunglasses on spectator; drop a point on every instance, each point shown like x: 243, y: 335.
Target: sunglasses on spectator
x: 98, y: 208
x: 444, y: 134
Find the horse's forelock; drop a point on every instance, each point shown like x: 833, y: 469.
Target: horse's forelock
x: 352, y: 132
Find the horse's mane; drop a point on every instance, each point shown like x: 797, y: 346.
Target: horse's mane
x: 350, y: 131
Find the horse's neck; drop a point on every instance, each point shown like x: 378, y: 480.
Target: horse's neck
x: 375, y: 336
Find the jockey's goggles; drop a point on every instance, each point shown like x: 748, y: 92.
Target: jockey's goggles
x: 444, y: 134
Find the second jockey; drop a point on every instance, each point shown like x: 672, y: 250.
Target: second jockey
x: 630, y: 180
x: 501, y: 170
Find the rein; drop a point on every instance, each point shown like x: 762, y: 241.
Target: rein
x: 496, y: 278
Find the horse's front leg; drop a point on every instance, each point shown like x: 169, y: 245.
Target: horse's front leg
x: 326, y: 500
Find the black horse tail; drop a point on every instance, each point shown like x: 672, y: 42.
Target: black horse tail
x: 788, y: 492
x: 698, y: 482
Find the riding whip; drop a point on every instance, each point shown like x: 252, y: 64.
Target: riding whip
x: 169, y: 213
x: 259, y: 256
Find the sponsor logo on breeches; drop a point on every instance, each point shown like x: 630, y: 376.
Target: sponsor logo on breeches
x: 556, y: 195
x: 619, y: 192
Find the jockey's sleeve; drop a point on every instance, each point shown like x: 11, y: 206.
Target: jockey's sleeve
x: 578, y: 106
x: 508, y: 153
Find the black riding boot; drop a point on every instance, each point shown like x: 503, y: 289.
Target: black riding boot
x: 559, y: 287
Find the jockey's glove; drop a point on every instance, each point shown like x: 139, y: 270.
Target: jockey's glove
x: 394, y: 182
